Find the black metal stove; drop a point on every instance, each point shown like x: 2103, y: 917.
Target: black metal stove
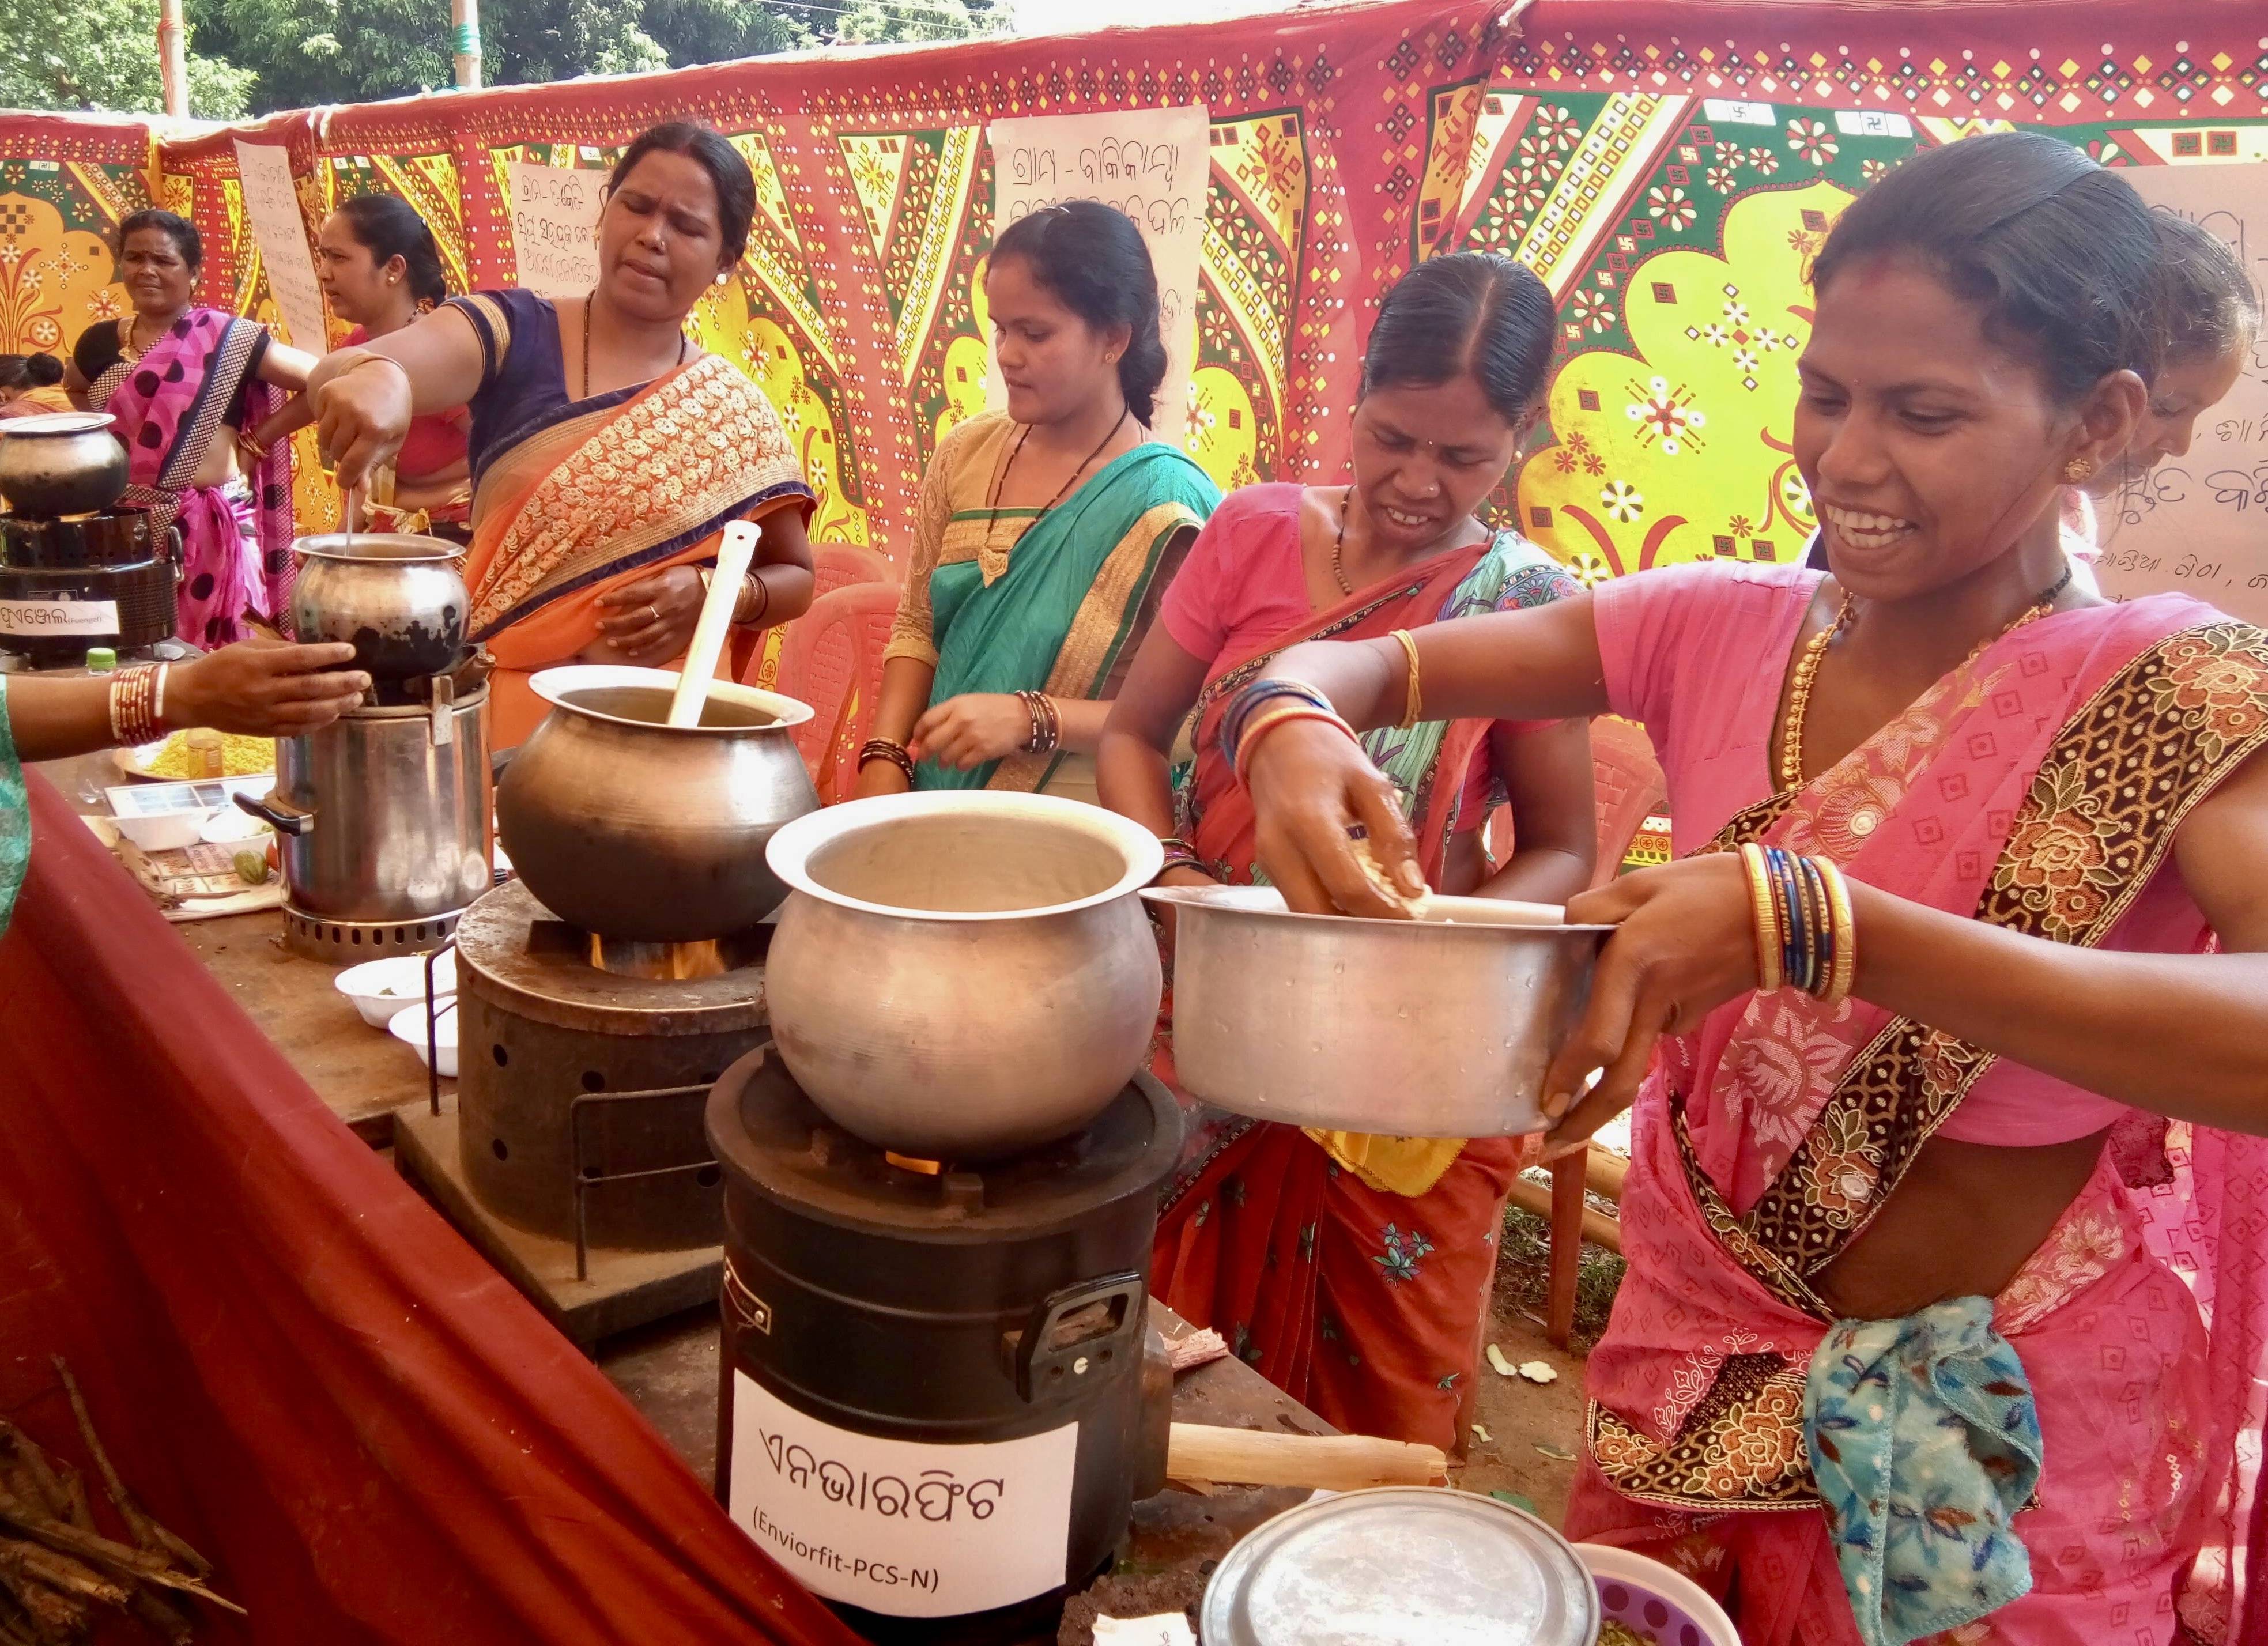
x: 81, y: 581
x: 931, y: 1401
x: 583, y: 1071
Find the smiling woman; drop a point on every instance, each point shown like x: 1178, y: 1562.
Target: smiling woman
x: 1956, y: 834
x: 581, y: 409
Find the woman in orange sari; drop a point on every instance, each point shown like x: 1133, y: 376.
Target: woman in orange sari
x: 1351, y: 1271
x: 608, y: 452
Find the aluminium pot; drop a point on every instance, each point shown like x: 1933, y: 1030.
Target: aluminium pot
x: 959, y: 975
x: 1411, y: 1028
x: 631, y: 828
x: 61, y: 463
x: 398, y: 599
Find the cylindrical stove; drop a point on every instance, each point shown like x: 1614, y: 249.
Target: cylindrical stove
x: 570, y: 1074
x: 931, y: 1401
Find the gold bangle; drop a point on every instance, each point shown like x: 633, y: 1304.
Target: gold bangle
x: 1413, y: 695
x: 1846, y: 933
x: 1766, y: 911
x: 1267, y: 719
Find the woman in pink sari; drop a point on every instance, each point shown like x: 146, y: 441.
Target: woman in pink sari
x: 1900, y: 1354
x: 183, y: 383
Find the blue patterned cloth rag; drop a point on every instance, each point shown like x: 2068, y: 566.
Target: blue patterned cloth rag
x: 1925, y: 1443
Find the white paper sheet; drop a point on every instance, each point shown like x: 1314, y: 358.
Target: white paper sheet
x: 555, y: 221
x: 1153, y: 164
x: 2198, y: 524
x: 271, y: 206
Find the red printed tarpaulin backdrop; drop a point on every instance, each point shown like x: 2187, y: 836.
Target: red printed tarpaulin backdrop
x: 1668, y: 168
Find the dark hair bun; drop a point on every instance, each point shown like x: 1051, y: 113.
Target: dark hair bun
x: 1467, y: 314
x: 728, y: 173
x: 2060, y: 252
x: 388, y: 227
x: 1092, y: 257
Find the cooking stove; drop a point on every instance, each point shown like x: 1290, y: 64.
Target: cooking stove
x: 574, y: 1156
x: 931, y: 1407
x: 72, y: 582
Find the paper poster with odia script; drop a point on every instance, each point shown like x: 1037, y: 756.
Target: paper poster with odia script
x: 271, y: 206
x: 2198, y: 522
x: 1152, y: 164
x: 554, y: 227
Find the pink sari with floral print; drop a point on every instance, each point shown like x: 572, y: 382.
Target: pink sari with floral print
x: 2039, y: 787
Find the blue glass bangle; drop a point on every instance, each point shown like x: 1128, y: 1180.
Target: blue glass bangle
x: 1823, y: 922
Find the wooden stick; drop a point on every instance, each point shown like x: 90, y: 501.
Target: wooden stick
x: 54, y: 1617
x: 76, y: 1510
x: 65, y: 1539
x: 1337, y: 1463
x: 181, y: 1551
x: 1536, y: 1197
x: 60, y: 1571
x: 16, y: 1625
x: 136, y: 1522
x: 161, y: 1617
x: 49, y: 1488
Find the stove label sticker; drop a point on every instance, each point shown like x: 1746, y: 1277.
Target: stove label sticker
x: 901, y: 1527
x: 32, y: 619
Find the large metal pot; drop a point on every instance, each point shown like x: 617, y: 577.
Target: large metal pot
x: 61, y: 463
x: 1410, y: 1028
x: 960, y: 975
x: 400, y: 599
x: 632, y: 828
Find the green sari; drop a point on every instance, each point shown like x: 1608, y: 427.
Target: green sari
x: 15, y: 816
x: 1059, y: 616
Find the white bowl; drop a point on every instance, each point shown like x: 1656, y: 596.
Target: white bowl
x: 380, y: 988
x: 229, y: 827
x: 408, y: 1028
x: 164, y: 831
x: 1611, y: 1565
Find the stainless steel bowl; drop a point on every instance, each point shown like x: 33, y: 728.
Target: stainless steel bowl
x: 964, y: 974
x: 1410, y: 1028
x: 397, y: 597
x: 636, y: 829
x: 61, y: 463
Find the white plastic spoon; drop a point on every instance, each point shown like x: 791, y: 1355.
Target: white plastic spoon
x: 733, y: 561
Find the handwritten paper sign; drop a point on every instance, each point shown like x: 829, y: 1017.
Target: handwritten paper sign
x: 271, y: 206
x: 2198, y: 523
x: 903, y: 1527
x: 554, y: 226
x: 1153, y: 164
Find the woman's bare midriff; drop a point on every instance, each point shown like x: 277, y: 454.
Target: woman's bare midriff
x: 1960, y: 1226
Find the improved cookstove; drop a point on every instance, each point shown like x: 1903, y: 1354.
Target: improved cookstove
x: 932, y: 1407
x: 575, y: 1156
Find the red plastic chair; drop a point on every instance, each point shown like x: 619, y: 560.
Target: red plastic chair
x: 832, y: 659
x: 841, y: 565
x: 1630, y: 787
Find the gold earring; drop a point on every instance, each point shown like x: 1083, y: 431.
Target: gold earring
x: 2077, y: 470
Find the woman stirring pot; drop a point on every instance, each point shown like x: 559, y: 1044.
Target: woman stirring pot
x: 1898, y: 1352
x: 381, y: 270
x: 608, y: 452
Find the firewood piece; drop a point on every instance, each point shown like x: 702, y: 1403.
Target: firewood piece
x: 180, y: 1551
x: 16, y: 1625
x: 136, y: 1522
x: 60, y: 1571
x: 76, y: 1510
x: 55, y: 1617
x: 162, y: 1618
x: 35, y: 1464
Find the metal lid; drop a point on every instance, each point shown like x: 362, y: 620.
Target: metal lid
x: 1401, y: 1566
x: 68, y: 422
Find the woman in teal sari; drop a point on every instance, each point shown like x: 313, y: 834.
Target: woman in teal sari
x: 1047, y: 533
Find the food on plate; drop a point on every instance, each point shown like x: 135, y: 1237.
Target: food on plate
x: 240, y: 757
x: 1614, y: 1633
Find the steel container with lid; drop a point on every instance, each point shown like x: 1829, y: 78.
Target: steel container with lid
x: 1401, y: 1566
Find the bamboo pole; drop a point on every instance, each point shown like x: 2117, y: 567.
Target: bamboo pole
x: 465, y: 43
x: 173, y: 58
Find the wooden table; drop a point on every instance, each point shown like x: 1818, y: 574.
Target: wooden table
x: 364, y: 1074
x: 669, y: 1370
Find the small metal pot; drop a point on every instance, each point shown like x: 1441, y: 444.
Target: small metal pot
x: 399, y: 599
x: 62, y: 463
x: 1408, y: 1028
x: 631, y: 828
x: 963, y: 974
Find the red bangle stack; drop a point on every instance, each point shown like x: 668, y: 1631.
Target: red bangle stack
x: 135, y: 694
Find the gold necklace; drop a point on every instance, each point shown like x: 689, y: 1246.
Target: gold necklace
x: 1807, y: 670
x: 1338, y: 544
x: 993, y: 502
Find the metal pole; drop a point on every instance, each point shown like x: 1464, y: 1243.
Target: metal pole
x: 465, y: 41
x: 173, y: 58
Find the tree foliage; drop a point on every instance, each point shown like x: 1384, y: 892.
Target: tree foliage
x: 103, y: 53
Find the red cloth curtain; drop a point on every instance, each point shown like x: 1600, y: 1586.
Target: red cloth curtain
x: 296, y: 1365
